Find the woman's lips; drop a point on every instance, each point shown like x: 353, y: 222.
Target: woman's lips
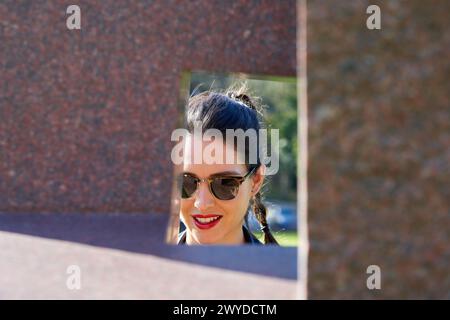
x: 206, y: 221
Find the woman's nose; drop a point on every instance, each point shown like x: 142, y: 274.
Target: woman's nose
x: 203, y: 199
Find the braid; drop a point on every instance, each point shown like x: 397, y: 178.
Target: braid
x: 261, y: 214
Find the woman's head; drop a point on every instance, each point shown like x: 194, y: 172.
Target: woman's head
x: 216, y: 196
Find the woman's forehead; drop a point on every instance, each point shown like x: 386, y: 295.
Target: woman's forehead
x: 204, y: 167
x: 201, y: 150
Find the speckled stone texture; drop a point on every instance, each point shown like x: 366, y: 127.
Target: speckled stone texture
x: 86, y: 116
x: 379, y: 148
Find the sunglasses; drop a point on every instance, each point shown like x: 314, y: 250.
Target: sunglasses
x: 222, y: 187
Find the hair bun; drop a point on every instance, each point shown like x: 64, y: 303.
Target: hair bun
x: 245, y: 99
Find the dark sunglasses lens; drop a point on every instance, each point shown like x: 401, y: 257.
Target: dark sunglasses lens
x: 188, y: 186
x: 225, y: 188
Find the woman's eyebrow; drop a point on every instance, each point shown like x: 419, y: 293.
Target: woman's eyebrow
x: 224, y: 173
x: 189, y: 172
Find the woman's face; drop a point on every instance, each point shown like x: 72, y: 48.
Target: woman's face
x: 228, y: 214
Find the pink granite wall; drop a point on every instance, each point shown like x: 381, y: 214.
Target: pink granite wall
x: 86, y: 116
x: 379, y: 149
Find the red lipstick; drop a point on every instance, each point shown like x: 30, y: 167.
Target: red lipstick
x: 206, y: 221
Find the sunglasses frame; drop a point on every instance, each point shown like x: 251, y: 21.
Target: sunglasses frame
x: 239, y: 179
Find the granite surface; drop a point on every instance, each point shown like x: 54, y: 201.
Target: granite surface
x: 86, y: 115
x: 379, y: 149
x: 145, y: 234
x: 113, y: 274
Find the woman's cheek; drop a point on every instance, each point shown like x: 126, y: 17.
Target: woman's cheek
x: 233, y: 208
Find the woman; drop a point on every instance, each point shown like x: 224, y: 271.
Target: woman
x: 216, y: 197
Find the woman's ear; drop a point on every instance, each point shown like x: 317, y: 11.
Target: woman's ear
x: 258, y: 179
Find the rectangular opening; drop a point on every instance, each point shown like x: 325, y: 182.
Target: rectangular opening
x: 276, y: 101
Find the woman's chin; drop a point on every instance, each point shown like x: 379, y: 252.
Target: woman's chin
x: 204, y: 239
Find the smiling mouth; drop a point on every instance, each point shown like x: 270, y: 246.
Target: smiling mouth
x: 206, y: 221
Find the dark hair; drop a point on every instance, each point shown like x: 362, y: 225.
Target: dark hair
x: 232, y: 109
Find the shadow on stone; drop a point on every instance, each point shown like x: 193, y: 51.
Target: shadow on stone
x: 145, y: 234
